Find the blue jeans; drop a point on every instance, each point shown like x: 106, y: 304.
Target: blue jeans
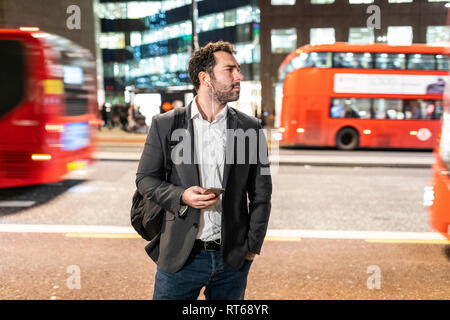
x: 205, y: 268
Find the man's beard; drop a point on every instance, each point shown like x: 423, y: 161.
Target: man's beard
x: 224, y: 95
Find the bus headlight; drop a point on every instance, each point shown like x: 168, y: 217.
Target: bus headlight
x: 41, y: 157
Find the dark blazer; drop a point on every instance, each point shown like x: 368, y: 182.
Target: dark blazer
x: 244, y: 222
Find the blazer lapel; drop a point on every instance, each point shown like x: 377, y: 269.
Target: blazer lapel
x: 189, y: 171
x: 232, y: 123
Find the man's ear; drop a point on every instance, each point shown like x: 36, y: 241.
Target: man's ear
x: 203, y: 76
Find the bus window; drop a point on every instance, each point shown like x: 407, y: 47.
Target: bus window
x: 431, y: 109
x: 390, y: 60
x: 319, y: 60
x: 307, y: 60
x: 352, y: 60
x: 388, y: 109
x: 311, y: 60
x: 350, y: 108
x: 417, y: 61
x: 442, y: 62
x: 11, y: 75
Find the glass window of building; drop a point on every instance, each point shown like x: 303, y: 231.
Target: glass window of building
x: 112, y: 10
x: 230, y: 18
x: 442, y: 62
x: 135, y: 38
x: 244, y: 53
x: 283, y: 40
x: 352, y: 60
x: 400, y: 1
x: 244, y: 15
x: 361, y: 36
x: 282, y: 2
x: 172, y: 4
x: 321, y: 1
x: 400, y: 36
x: 113, y: 40
x: 211, y: 22
x: 390, y: 61
x: 438, y: 35
x: 322, y: 36
x: 140, y: 9
x: 418, y: 61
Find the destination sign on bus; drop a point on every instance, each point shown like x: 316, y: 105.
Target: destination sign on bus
x: 389, y: 83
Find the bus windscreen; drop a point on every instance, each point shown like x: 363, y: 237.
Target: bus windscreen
x: 12, y: 72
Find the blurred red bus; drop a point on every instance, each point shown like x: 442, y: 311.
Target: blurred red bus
x: 48, y: 107
x: 351, y: 96
x: 437, y: 196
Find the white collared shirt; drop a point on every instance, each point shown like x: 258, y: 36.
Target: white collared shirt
x: 209, y: 145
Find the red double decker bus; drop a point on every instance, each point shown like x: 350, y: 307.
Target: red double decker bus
x: 48, y: 107
x: 350, y: 96
x: 437, y: 195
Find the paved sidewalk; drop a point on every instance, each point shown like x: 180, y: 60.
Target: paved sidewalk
x: 117, y: 136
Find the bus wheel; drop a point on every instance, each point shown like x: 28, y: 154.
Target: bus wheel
x: 347, y: 139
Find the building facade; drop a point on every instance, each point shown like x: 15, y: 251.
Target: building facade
x: 146, y: 47
x: 289, y: 24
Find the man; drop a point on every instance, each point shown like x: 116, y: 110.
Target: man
x: 208, y: 240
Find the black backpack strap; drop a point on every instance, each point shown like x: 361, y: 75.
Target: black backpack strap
x: 178, y: 122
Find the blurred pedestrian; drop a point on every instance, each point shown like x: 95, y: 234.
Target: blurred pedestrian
x: 106, y: 115
x: 208, y: 239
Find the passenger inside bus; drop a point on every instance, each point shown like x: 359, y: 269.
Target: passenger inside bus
x: 350, y: 111
x: 337, y: 110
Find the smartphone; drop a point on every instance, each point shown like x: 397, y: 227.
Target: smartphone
x: 216, y: 191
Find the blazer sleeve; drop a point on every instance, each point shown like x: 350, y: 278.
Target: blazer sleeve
x: 150, y: 176
x: 259, y: 189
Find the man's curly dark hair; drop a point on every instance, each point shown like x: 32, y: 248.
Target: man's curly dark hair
x: 203, y: 60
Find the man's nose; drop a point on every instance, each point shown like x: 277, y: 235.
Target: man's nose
x: 238, y: 76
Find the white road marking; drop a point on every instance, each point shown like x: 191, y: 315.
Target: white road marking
x: 17, y: 203
x: 337, y: 234
x: 273, y: 233
x: 51, y: 228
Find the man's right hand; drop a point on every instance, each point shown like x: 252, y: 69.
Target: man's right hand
x: 195, y: 198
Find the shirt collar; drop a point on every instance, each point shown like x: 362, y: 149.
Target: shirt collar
x: 196, y: 113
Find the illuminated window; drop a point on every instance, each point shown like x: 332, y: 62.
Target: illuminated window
x: 400, y: 36
x: 390, y: 61
x: 438, y: 35
x: 350, y: 108
x: 113, y: 40
x: 282, y: 2
x: 321, y: 1
x: 320, y: 59
x: 418, y: 61
x: 400, y: 1
x: 442, y: 62
x: 283, y: 40
x: 352, y: 60
x: 361, y: 36
x: 321, y: 36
